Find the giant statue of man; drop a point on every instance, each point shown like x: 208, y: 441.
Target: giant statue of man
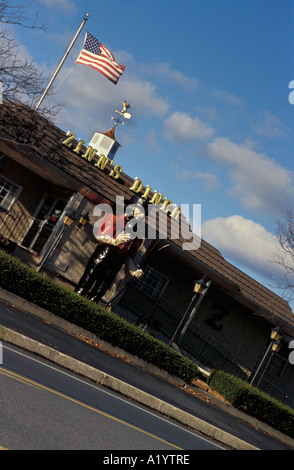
x: 117, y: 245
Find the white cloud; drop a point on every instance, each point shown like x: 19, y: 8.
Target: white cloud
x: 228, y: 98
x: 181, y: 128
x: 245, y: 242
x: 164, y: 71
x: 210, y: 181
x: 259, y: 182
x: 63, y: 4
x: 152, y: 142
x: 142, y: 94
x: 270, y: 126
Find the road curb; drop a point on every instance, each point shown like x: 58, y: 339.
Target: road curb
x: 127, y: 390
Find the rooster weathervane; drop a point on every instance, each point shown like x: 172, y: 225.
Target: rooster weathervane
x: 123, y: 113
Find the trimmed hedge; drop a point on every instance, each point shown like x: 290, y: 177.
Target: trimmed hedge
x: 37, y: 288
x: 253, y: 402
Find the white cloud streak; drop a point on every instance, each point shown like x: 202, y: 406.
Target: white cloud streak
x: 180, y: 128
x: 268, y: 125
x: 67, y: 5
x: 209, y: 180
x: 164, y: 71
x: 244, y: 242
x: 227, y: 98
x: 259, y: 182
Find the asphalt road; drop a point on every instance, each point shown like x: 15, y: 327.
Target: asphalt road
x: 44, y: 407
x: 52, y: 336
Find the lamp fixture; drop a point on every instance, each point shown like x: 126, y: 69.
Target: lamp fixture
x: 276, y: 346
x: 200, y: 286
x: 276, y: 338
x: 275, y: 334
x: 84, y: 218
x: 69, y: 219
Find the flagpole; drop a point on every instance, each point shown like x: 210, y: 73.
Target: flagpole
x: 62, y: 61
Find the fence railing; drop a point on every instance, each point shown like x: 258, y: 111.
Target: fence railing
x: 18, y: 228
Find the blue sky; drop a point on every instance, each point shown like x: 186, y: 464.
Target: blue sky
x: 208, y: 84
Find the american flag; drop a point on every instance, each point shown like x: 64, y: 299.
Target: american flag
x: 100, y: 58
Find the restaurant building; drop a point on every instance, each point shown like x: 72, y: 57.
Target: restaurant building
x: 47, y: 175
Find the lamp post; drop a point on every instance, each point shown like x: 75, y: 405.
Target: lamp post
x: 200, y: 288
x: 273, y: 347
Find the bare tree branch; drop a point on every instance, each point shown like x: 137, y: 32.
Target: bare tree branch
x: 22, y: 80
x: 285, y: 254
x: 15, y: 14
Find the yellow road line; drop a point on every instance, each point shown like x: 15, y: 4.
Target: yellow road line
x: 32, y: 383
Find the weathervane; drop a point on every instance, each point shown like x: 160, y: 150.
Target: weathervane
x: 122, y: 113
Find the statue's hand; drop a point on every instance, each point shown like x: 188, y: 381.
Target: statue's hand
x: 137, y: 273
x: 123, y: 237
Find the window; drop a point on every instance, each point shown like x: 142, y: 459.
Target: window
x: 151, y: 283
x: 9, y: 192
x: 276, y: 365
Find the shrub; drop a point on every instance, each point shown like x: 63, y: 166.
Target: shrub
x: 37, y: 288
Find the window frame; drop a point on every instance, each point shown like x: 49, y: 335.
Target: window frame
x: 277, y: 366
x: 151, y: 291
x: 14, y: 195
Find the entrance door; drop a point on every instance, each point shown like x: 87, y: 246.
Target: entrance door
x: 44, y: 224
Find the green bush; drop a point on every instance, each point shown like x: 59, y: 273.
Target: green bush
x: 254, y: 402
x: 37, y: 288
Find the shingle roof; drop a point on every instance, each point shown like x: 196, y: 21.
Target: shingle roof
x: 25, y: 132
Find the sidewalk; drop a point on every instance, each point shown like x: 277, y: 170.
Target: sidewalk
x: 197, y: 388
